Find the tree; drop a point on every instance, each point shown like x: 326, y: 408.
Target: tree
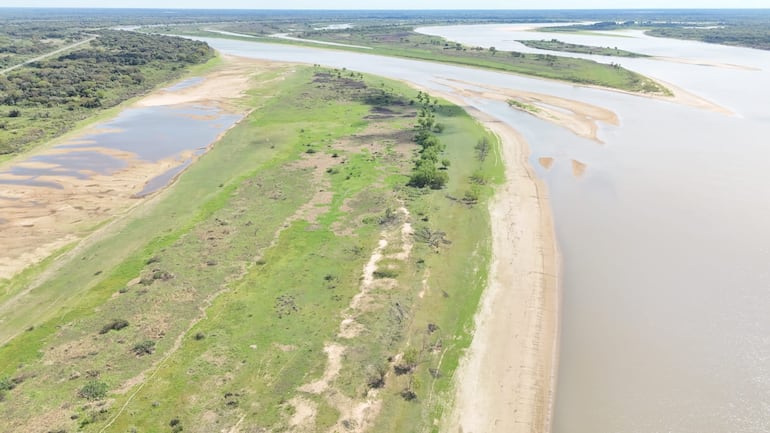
x: 482, y: 148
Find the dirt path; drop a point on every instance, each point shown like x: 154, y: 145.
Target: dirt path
x: 505, y: 382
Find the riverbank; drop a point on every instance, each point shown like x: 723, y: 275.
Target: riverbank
x: 48, y: 205
x: 506, y: 381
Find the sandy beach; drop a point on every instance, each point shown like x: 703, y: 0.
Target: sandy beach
x: 506, y: 380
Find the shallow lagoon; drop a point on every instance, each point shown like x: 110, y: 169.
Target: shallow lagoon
x: 148, y: 134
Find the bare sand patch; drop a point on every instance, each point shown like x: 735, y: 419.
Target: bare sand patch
x: 334, y: 353
x: 703, y: 62
x: 578, y: 168
x: 222, y: 86
x: 684, y: 97
x: 304, y: 416
x: 42, y: 219
x: 546, y: 162
x: 579, y: 117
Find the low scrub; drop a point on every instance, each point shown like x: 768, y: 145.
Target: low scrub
x: 115, y: 325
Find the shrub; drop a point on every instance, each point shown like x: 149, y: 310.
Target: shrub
x: 385, y: 273
x: 472, y: 195
x: 116, y: 324
x: 408, y: 395
x: 479, y: 178
x: 376, y: 376
x: 93, y: 390
x: 144, y: 348
x: 6, y: 384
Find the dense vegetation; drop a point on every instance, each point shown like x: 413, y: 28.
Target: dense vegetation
x: 744, y: 35
x: 22, y: 41
x: 45, y: 98
x: 557, y: 45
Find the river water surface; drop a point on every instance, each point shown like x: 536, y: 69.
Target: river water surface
x: 665, y: 238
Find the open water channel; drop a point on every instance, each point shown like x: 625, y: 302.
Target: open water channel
x: 665, y: 238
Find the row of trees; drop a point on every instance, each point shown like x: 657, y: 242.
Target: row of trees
x: 426, y: 171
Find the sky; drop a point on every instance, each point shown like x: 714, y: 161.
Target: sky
x: 393, y: 4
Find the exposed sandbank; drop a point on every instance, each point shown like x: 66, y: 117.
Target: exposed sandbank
x: 579, y: 117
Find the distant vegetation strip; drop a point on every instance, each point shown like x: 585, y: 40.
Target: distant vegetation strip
x: 404, y: 42
x: 557, y: 45
x: 743, y: 32
x: 46, y: 98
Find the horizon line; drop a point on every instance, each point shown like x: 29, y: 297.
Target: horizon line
x: 387, y: 10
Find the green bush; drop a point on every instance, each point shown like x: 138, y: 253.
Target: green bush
x: 6, y: 384
x: 93, y: 390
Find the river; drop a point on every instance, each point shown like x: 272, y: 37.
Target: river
x: 664, y: 239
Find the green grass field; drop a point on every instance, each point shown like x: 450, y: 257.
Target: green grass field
x: 234, y: 280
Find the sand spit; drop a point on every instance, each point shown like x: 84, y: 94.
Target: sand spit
x: 684, y: 97
x: 702, y: 62
x: 505, y: 382
x: 579, y: 117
